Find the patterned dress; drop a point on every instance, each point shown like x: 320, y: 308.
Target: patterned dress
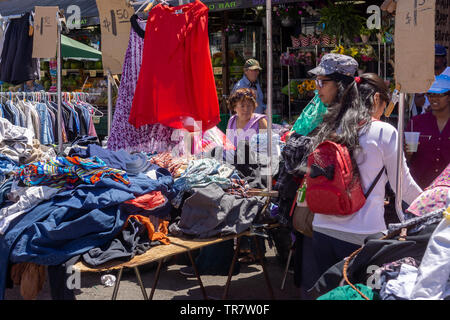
x: 148, y: 138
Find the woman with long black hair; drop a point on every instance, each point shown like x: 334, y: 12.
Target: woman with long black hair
x: 354, y: 122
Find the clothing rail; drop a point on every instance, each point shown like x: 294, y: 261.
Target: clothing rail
x: 14, y: 16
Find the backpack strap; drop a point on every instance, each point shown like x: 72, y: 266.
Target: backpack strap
x: 374, y: 183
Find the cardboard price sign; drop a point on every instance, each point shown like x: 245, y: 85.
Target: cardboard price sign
x: 115, y: 26
x: 414, y: 45
x: 45, y: 32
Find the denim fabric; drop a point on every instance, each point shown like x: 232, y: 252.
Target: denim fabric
x: 15, y: 113
x: 131, y: 163
x: 5, y: 188
x: 46, y: 124
x: 73, y: 222
x: 245, y: 83
x: 7, y: 166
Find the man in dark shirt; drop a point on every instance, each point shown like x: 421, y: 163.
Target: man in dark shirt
x: 433, y: 154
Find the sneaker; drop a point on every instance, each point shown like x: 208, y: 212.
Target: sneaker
x: 187, y: 271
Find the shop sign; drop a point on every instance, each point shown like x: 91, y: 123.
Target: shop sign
x: 414, y: 45
x: 45, y: 32
x: 115, y: 28
x: 215, y: 5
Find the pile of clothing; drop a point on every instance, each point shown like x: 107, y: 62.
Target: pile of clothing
x: 96, y: 205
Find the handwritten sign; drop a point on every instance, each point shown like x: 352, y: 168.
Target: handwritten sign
x: 414, y: 45
x: 45, y: 32
x: 115, y: 27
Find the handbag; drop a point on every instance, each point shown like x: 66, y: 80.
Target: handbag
x: 302, y: 220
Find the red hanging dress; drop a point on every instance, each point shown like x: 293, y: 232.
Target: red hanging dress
x: 176, y: 80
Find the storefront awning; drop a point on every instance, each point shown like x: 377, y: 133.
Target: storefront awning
x: 76, y: 50
x: 88, y: 8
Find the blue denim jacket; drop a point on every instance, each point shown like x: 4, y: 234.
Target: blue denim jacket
x: 46, y: 124
x: 245, y: 83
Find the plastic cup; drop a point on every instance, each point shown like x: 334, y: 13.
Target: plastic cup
x: 412, y: 141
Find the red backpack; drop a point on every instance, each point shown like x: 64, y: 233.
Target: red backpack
x: 330, y: 187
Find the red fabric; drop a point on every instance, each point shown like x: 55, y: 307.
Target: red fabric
x: 149, y: 201
x: 176, y: 80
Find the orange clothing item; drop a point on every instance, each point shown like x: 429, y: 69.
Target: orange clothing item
x: 159, y: 234
x: 30, y: 277
x: 176, y: 81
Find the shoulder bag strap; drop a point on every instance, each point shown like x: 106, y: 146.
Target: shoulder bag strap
x: 374, y: 183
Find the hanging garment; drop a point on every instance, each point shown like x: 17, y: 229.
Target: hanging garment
x: 148, y: 138
x: 17, y: 64
x: 176, y: 81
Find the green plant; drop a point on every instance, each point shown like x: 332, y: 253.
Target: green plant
x: 364, y: 31
x: 341, y: 20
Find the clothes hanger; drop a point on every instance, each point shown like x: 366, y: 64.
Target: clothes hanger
x: 150, y: 6
x: 145, y: 2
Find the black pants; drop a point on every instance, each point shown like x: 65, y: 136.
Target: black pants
x: 328, y: 251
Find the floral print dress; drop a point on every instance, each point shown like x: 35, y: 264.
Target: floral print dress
x: 154, y: 138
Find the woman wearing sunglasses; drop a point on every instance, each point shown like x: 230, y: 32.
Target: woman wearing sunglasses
x: 352, y: 120
x: 432, y: 155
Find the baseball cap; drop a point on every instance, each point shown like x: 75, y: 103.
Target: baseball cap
x: 335, y: 63
x: 252, y: 64
x: 441, y: 84
x: 440, y: 50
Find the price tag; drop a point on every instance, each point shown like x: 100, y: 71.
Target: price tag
x: 414, y: 45
x: 92, y: 73
x: 115, y: 27
x: 45, y: 32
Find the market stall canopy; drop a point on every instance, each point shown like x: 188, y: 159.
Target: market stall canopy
x: 76, y: 50
x: 88, y: 8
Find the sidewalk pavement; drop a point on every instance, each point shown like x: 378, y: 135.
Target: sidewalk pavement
x: 249, y: 284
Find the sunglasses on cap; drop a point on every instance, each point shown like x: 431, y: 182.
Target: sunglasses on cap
x: 320, y: 82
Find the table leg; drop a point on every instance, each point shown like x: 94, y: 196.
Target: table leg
x: 158, y: 270
x: 286, y: 270
x: 198, y: 275
x: 230, y: 272
x: 138, y: 276
x: 261, y: 260
x: 116, y: 286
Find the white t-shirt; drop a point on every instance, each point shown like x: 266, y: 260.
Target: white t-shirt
x: 379, y: 147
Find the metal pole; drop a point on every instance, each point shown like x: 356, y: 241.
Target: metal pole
x: 109, y: 102
x: 269, y: 88
x: 289, y: 86
x: 385, y: 60
x: 398, y: 193
x: 58, y: 81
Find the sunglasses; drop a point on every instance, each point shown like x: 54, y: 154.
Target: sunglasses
x: 435, y: 95
x: 320, y: 82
